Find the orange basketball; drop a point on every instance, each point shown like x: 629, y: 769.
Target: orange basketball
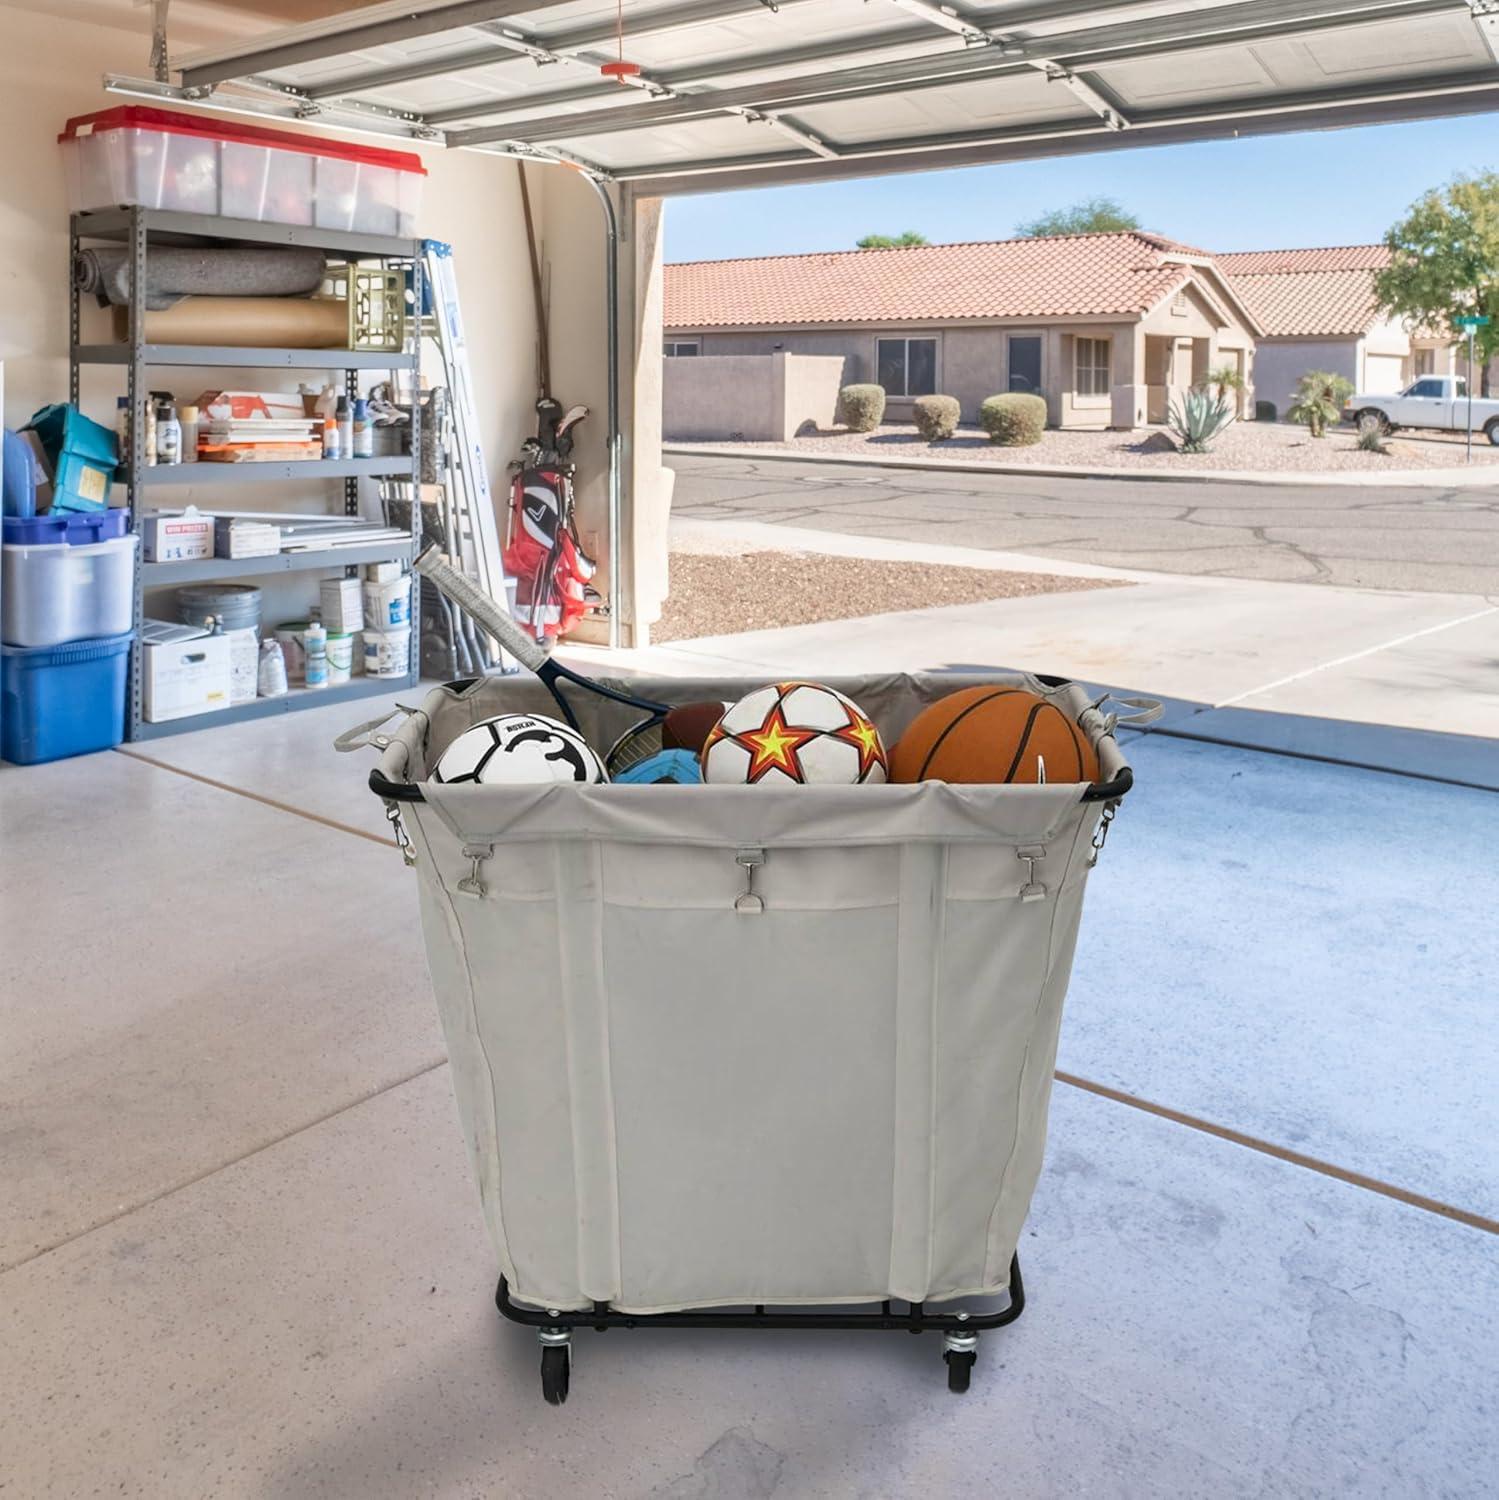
x: 987, y: 734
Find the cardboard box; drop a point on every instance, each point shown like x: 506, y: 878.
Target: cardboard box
x: 237, y: 537
x: 177, y: 538
x: 182, y: 678
x: 383, y: 572
x: 342, y: 605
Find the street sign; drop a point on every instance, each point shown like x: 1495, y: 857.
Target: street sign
x: 1472, y: 322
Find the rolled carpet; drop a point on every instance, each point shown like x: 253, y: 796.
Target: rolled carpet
x: 173, y: 273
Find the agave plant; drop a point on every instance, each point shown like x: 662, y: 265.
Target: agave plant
x: 1198, y: 419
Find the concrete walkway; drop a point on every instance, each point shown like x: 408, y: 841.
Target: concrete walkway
x: 243, y: 1255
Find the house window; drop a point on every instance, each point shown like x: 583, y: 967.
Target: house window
x: 675, y: 349
x: 1091, y: 365
x: 907, y: 367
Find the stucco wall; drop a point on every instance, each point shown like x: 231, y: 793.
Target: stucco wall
x: 854, y: 346
x: 750, y: 397
x: 1280, y: 363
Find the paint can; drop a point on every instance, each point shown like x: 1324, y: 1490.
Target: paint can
x: 340, y: 658
x: 387, y: 606
x: 387, y: 653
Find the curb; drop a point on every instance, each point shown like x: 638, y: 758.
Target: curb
x: 1483, y: 477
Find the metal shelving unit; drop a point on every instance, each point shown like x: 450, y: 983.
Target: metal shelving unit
x: 139, y: 227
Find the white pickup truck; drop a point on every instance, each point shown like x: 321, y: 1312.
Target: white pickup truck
x: 1439, y: 401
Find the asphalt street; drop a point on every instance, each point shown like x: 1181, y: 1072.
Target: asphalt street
x: 1431, y: 539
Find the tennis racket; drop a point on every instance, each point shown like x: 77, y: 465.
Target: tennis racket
x: 531, y: 654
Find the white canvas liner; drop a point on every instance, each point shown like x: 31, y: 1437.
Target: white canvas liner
x: 670, y: 1102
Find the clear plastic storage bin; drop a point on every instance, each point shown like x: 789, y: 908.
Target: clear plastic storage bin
x: 51, y: 593
x: 161, y: 158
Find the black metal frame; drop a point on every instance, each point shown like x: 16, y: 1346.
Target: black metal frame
x: 916, y: 1319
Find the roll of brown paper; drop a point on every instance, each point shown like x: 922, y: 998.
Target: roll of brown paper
x: 247, y: 323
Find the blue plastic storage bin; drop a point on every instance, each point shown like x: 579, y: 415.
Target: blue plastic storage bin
x: 84, y: 456
x: 78, y: 530
x: 62, y: 700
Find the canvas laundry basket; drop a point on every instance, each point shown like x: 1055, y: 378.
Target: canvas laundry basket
x: 674, y: 1100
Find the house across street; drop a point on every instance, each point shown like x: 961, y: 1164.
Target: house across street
x: 1110, y: 329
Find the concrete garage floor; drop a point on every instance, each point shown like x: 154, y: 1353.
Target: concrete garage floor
x: 243, y: 1255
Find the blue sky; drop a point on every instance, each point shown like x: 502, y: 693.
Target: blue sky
x: 1339, y: 187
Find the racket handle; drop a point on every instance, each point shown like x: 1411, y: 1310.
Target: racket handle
x: 475, y: 603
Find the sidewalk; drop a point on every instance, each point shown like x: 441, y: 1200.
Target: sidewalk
x: 1484, y: 476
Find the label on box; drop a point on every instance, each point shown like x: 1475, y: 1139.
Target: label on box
x: 177, y: 538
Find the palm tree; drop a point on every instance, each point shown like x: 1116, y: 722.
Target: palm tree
x: 1222, y: 380
x: 1319, y: 400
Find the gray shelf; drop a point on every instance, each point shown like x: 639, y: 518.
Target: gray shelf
x: 264, y: 708
x: 175, y: 228
x: 218, y: 355
x: 137, y: 229
x: 154, y: 476
x: 154, y: 574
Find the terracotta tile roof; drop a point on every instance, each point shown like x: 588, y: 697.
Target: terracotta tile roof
x: 1083, y: 275
x: 1308, y: 293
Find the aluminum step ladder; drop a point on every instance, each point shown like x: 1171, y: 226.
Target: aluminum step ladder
x: 471, y: 533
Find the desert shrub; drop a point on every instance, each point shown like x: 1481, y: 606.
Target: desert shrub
x: 1014, y: 420
x: 1371, y: 439
x: 860, y: 407
x: 1319, y: 400
x: 936, y: 417
x: 1198, y: 419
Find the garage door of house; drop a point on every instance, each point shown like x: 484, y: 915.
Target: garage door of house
x: 1383, y: 373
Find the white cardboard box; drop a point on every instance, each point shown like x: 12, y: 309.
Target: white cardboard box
x: 342, y: 605
x: 177, y: 538
x: 182, y: 678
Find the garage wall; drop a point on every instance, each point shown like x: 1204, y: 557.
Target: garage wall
x: 50, y: 66
x: 1280, y: 363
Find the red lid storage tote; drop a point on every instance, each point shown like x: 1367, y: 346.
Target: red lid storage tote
x: 161, y: 158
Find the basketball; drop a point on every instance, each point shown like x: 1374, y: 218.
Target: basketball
x: 994, y: 734
x: 665, y: 767
x: 792, y: 733
x: 518, y: 748
x: 689, y: 724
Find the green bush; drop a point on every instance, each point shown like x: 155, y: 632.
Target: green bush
x: 936, y: 417
x: 1015, y: 420
x: 860, y: 407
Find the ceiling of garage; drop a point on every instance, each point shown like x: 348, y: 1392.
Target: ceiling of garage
x: 744, y: 92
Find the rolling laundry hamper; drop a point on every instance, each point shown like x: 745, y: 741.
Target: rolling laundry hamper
x: 737, y: 1056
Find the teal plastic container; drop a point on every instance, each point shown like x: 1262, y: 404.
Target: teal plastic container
x: 57, y: 701
x: 83, y: 455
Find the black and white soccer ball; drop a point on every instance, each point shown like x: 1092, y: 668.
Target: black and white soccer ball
x: 514, y: 749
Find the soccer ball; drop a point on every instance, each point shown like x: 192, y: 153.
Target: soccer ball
x: 516, y: 748
x: 794, y: 732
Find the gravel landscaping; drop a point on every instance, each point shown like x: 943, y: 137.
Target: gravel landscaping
x: 1262, y: 447
x: 717, y: 594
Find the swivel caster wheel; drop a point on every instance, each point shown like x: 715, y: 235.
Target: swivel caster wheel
x: 960, y: 1351
x: 556, y: 1364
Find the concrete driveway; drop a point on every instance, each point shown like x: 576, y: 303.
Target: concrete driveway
x: 1434, y: 540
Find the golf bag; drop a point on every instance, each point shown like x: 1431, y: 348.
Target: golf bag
x: 542, y: 550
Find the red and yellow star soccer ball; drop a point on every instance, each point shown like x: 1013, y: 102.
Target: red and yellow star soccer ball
x: 794, y: 733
